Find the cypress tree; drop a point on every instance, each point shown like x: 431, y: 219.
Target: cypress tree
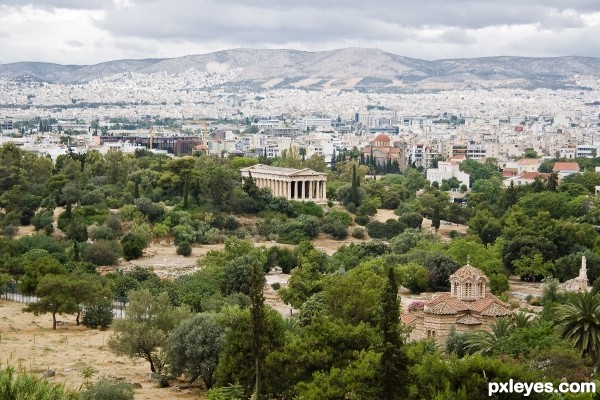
x: 394, y: 361
x: 258, y: 325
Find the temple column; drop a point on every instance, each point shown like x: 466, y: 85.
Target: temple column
x: 324, y: 190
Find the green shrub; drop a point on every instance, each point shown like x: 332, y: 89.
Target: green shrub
x: 102, y: 252
x: 411, y: 220
x: 367, y: 208
x: 338, y: 216
x: 358, y: 233
x: 276, y: 285
x: 133, y: 245
x: 26, y: 386
x: 362, y: 219
x: 98, y: 316
x: 231, y: 392
x: 184, y: 249
x: 107, y: 390
x: 338, y: 230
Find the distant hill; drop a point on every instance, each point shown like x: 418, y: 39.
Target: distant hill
x: 358, y: 68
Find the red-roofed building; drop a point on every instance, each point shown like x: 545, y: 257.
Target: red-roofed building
x: 565, y: 168
x: 526, y: 178
x: 467, y: 307
x: 381, y: 150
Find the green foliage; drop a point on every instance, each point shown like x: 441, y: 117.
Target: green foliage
x: 391, y: 228
x: 184, y: 249
x: 146, y: 327
x: 358, y: 233
x: 498, y: 284
x: 98, y: 316
x: 133, y: 245
x: 231, y: 392
x: 194, y: 347
x: 578, y: 321
x: 237, y: 358
x: 440, y: 267
x: 414, y: 277
x: 102, y: 252
x: 353, y: 296
x: 533, y: 267
x: 26, y: 386
x: 304, y: 281
x: 107, y: 390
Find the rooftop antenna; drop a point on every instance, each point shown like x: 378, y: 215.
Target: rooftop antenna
x: 468, y: 260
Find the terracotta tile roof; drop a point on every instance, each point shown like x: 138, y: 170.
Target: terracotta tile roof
x: 408, y: 319
x: 446, y: 304
x: 566, y: 166
x: 533, y: 175
x: 469, y: 271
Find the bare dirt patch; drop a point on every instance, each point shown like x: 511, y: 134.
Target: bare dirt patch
x: 28, y: 342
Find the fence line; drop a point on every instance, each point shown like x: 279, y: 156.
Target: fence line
x: 11, y: 293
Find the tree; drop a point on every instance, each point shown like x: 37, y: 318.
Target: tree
x: 194, y: 346
x: 133, y: 245
x: 434, y: 204
x: 394, y: 362
x: 440, y: 267
x: 578, y: 321
x: 485, y: 342
x: 257, y: 325
x: 533, y: 267
x: 102, y: 252
x: 56, y: 295
x: 146, y: 327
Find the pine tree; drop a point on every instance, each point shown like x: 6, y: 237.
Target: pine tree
x: 394, y: 361
x: 258, y: 324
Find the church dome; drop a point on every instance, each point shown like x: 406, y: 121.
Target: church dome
x: 469, y: 272
x: 468, y: 283
x: 382, y: 138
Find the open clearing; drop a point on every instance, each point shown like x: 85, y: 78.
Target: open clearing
x: 28, y: 342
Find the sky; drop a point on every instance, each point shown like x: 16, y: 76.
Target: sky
x: 93, y: 31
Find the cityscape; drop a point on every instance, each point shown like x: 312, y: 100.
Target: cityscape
x: 272, y: 201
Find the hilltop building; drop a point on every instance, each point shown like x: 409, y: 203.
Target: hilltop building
x: 293, y: 184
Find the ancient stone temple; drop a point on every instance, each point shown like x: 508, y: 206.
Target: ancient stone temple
x: 468, y: 306
x: 293, y: 184
x: 579, y: 284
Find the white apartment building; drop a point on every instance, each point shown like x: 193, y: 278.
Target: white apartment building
x: 447, y: 170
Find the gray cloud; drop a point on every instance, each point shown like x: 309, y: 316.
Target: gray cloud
x: 424, y: 29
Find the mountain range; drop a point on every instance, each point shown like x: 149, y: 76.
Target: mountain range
x: 349, y: 68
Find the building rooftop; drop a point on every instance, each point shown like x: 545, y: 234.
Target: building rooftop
x: 262, y: 168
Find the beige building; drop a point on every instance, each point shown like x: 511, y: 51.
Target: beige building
x: 468, y: 306
x: 293, y: 184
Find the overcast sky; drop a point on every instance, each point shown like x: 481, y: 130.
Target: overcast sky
x: 91, y: 31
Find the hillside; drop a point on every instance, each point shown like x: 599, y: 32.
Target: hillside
x: 359, y: 68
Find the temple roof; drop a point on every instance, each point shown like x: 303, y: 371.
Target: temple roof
x: 267, y: 169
